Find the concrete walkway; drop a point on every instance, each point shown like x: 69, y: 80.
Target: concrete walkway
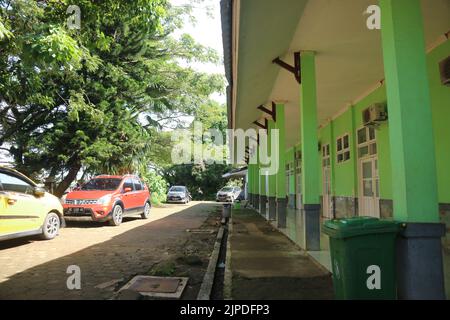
x: 265, y: 264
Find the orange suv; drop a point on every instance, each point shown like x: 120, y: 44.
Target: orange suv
x: 108, y: 198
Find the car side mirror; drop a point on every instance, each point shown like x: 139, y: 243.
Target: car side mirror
x: 39, y: 191
x: 127, y: 190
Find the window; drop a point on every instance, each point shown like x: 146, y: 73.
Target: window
x: 343, y: 148
x: 101, y: 184
x: 326, y: 155
x: 289, y: 169
x: 177, y: 189
x: 298, y: 166
x: 367, y: 145
x: 14, y: 184
x: 137, y: 184
x: 128, y: 184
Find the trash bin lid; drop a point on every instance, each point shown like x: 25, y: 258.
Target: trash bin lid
x: 357, y: 226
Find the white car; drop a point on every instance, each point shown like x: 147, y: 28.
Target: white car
x: 228, y: 194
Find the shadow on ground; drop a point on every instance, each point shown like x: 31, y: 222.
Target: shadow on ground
x: 161, y: 246
x: 267, y: 265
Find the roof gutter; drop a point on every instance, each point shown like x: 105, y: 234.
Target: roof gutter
x: 226, y: 12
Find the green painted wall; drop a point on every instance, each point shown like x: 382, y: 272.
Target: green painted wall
x: 440, y: 111
x: 344, y: 175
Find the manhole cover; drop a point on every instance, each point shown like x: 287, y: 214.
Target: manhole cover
x: 162, y: 287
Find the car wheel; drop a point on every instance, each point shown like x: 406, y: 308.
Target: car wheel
x: 51, y: 226
x: 117, y: 216
x: 146, y: 212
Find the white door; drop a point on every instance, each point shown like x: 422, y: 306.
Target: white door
x: 326, y: 194
x: 327, y: 204
x: 369, y: 200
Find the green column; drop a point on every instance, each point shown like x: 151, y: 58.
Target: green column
x: 419, y: 246
x: 257, y: 174
x: 262, y: 176
x: 273, y: 177
x: 281, y: 172
x: 250, y: 176
x: 410, y: 123
x: 309, y: 139
x: 310, y: 153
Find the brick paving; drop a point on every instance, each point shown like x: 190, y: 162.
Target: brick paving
x: 35, y: 269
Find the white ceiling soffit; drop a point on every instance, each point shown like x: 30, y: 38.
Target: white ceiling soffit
x: 266, y: 29
x: 349, y: 60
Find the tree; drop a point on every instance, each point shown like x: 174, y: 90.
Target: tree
x: 92, y: 98
x: 203, y: 179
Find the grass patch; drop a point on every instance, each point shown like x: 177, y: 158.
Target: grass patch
x: 164, y: 269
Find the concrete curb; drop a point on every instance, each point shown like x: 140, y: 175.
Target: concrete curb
x: 228, y: 276
x: 208, y: 280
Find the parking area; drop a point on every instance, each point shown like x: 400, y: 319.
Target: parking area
x: 36, y: 269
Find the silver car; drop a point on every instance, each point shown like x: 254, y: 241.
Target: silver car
x: 179, y: 194
x: 228, y: 194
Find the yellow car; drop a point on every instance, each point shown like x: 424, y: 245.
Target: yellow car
x: 27, y: 209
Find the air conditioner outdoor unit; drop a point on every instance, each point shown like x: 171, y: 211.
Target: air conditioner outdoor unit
x: 374, y: 114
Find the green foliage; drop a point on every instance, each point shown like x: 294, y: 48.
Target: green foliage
x: 203, y: 181
x: 212, y: 115
x: 235, y: 183
x: 157, y: 185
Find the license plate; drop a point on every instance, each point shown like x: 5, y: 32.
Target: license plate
x: 78, y: 210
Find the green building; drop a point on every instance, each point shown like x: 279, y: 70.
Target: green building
x: 360, y: 93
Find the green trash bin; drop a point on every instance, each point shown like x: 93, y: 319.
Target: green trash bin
x: 363, y: 257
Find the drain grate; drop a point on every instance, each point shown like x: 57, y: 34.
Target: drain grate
x: 209, y: 231
x: 162, y: 287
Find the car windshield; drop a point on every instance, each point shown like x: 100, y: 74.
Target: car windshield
x: 227, y: 189
x: 177, y: 189
x: 102, y: 184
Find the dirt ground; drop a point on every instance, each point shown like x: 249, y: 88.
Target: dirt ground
x: 188, y: 259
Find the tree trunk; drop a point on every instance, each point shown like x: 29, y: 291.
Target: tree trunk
x: 65, y: 183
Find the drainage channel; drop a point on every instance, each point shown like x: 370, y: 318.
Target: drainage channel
x: 213, y: 280
x: 218, y: 284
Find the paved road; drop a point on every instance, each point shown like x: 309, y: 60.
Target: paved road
x: 35, y: 269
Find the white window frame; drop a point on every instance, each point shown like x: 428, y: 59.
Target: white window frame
x: 344, y: 150
x: 366, y: 143
x: 326, y: 155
